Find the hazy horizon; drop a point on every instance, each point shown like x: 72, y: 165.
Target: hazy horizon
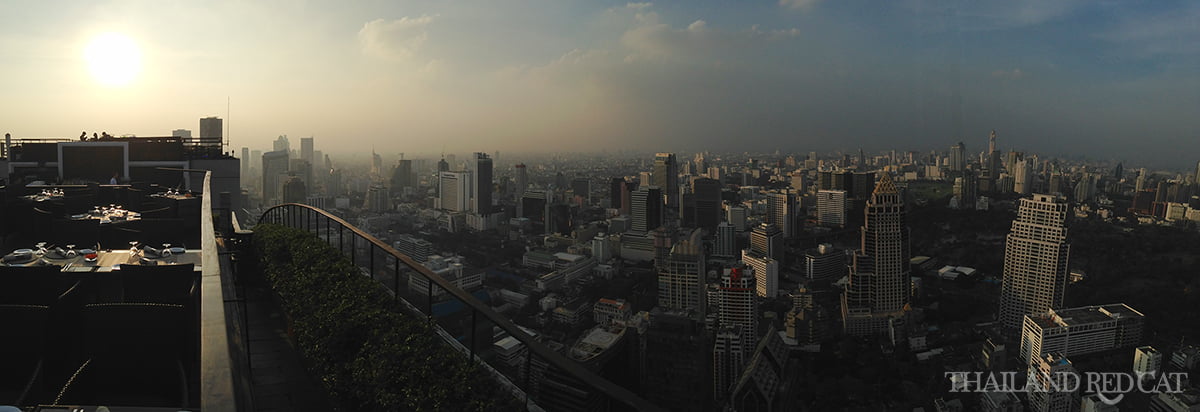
x: 1098, y: 80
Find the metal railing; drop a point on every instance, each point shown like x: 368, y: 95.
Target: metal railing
x: 461, y: 318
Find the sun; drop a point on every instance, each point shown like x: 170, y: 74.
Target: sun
x: 113, y: 59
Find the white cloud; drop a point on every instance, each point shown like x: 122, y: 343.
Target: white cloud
x: 1013, y: 74
x: 698, y: 26
x: 394, y: 39
x: 798, y: 4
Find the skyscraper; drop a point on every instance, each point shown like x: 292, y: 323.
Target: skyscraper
x: 1022, y: 177
x: 958, y: 157
x: 831, y: 207
x: 767, y: 240
x: 616, y: 191
x: 681, y: 277
x: 666, y: 177
x: 991, y: 166
x: 876, y: 297
x: 1035, y: 259
x: 245, y: 163
x: 306, y: 149
x: 646, y: 209
x: 726, y: 244
x: 522, y: 180
x: 766, y: 273
x: 274, y: 171
x: 707, y: 193
x: 211, y: 128
x: 454, y: 191
x: 737, y: 302
x: 535, y: 206
x: 483, y: 184
x: 402, y: 176
x: 781, y: 208
x: 280, y: 143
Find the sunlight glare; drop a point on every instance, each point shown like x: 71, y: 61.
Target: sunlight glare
x: 113, y: 59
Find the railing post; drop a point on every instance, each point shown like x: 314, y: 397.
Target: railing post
x: 371, y: 250
x: 474, y: 332
x: 341, y: 238
x: 396, y: 279
x: 526, y: 388
x: 428, y: 298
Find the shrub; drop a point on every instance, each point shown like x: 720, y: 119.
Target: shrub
x: 367, y: 354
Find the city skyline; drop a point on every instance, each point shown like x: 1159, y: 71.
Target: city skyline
x: 1105, y: 81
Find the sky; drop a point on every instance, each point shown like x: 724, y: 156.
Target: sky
x: 1103, y: 79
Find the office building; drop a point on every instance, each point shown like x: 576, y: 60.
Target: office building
x: 1147, y: 362
x: 876, y: 296
x: 767, y: 240
x: 1080, y: 331
x: 1022, y: 174
x: 674, y: 368
x: 211, y: 129
x: 729, y: 360
x: 766, y: 273
x: 707, y: 195
x: 1035, y: 259
x: 736, y: 216
x: 1054, y: 385
x: 522, y: 183
x: 454, y: 191
x: 966, y: 189
x: 958, y: 157
x: 737, y: 308
x: 280, y: 143
x: 666, y: 177
x: 402, y: 177
x: 274, y: 171
x: 726, y: 242
x: 831, y: 207
x: 646, y: 212
x: 415, y: 248
x: 681, y: 277
x: 581, y: 187
x: 245, y: 163
x: 482, y: 186
x: 824, y: 262
x: 306, y: 149
x: 781, y: 210
x: 294, y: 190
x: 535, y: 206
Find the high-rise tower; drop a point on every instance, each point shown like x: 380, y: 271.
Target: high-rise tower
x: 666, y: 177
x: 483, y: 184
x: 1035, y: 259
x: 877, y: 295
x: 958, y: 157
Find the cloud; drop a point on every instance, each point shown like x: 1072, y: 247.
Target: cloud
x: 394, y: 39
x: 957, y: 15
x: 1165, y: 33
x: 798, y: 4
x: 637, y: 6
x: 1013, y: 74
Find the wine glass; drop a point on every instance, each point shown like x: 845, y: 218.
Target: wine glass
x: 41, y: 248
x: 166, y: 250
x: 133, y: 249
x: 70, y: 251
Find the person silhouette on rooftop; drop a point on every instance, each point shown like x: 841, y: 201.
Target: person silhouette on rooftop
x: 83, y: 137
x: 95, y: 137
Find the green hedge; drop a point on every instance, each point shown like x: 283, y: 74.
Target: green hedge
x: 368, y: 355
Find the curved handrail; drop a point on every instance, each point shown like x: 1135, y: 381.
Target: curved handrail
x: 573, y: 368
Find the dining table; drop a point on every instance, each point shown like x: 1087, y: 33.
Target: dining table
x: 108, y: 215
x: 109, y: 260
